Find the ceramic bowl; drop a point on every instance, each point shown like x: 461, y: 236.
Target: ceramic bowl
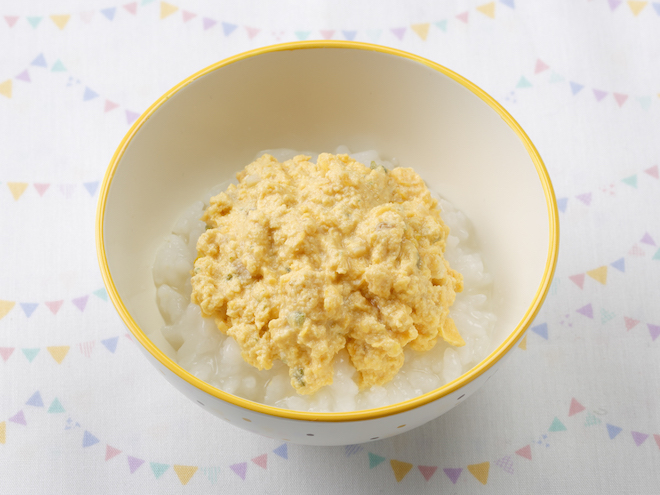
x: 316, y: 96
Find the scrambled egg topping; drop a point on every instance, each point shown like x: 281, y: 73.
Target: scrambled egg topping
x: 301, y: 260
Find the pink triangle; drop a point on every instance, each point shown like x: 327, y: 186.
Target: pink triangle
x: 252, y: 32
x: 427, y: 471
x: 11, y: 20
x: 656, y: 437
x: 585, y: 198
x: 578, y: 280
x: 525, y: 452
x: 131, y: 7
x: 653, y: 171
x: 87, y: 16
x: 41, y: 188
x: 576, y: 407
x: 463, y: 17
x: 261, y: 461
x: 620, y: 98
x: 630, y: 322
x: 636, y: 251
x: 24, y: 76
x: 109, y: 105
x: 647, y: 239
x: 638, y: 437
x: 54, y: 306
x: 187, y: 15
x: 80, y: 302
x: 19, y: 418
x: 5, y: 352
x: 586, y: 311
x: 327, y: 33
x: 540, y: 66
x: 111, y: 452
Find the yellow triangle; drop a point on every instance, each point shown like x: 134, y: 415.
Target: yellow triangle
x: 167, y: 9
x: 58, y: 352
x: 184, y: 472
x: 487, y: 9
x: 60, y: 20
x: 599, y: 274
x: 400, y: 469
x: 422, y: 30
x: 480, y: 471
x: 5, y: 307
x: 17, y: 188
x: 636, y: 6
x: 3, y: 432
x: 523, y: 343
x: 5, y: 88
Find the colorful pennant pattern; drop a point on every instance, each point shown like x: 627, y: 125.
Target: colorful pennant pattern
x: 29, y: 307
x: 60, y: 352
x: 17, y: 189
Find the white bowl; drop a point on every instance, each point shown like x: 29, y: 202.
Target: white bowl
x: 316, y: 96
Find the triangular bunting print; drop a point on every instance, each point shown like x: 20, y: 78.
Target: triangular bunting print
x: 540, y: 66
x: 17, y: 189
x: 67, y: 190
x: 619, y: 264
x: 350, y: 450
x: 647, y: 239
x: 636, y: 6
x: 427, y: 471
x: 302, y: 35
x: 89, y: 439
x: 654, y: 330
x: 60, y: 20
x: 591, y: 420
x: 131, y: 8
x: 523, y: 83
x: 578, y: 280
x: 606, y: 316
x: 240, y: 469
x: 28, y: 308
x: 87, y: 16
x: 656, y: 7
x: 555, y: 78
x: 599, y: 94
x: 506, y: 463
x: 187, y: 15
x: 480, y: 471
x: 349, y: 35
x: 636, y: 251
x: 656, y: 437
x: 375, y: 460
x: 620, y: 98
x: 55, y: 407
x: 41, y: 188
x: 91, y: 188
x: 399, y: 32
x: 86, y: 348
x: 58, y: 66
x: 80, y: 302
x: 644, y: 102
x: 35, y: 400
x: 54, y: 306
x: 585, y: 198
x: 39, y: 61
x: 228, y: 28
x: 523, y: 343
x: 421, y: 30
x: 586, y: 310
x: 58, y: 352
x: 557, y: 425
x: 400, y: 469
x: 167, y: 9
x: 109, y: 106
x: 131, y: 116
x: 24, y: 76
x: 612, y: 430
x: 656, y: 256
x: 11, y: 20
x: 252, y: 32
x: 282, y: 451
x: 5, y: 88
x: 630, y: 323
x: 261, y: 461
x: 327, y: 34
x: 509, y: 3
x: 212, y: 473
x: 109, y: 13
x: 442, y: 25
x: 487, y: 9
x: 599, y: 274
x: 453, y: 474
x: 3, y: 432
x: 34, y: 21
x: 6, y: 352
x: 576, y: 87
x: 575, y: 408
x: 31, y: 353
x: 541, y: 330
x: 561, y: 204
x: 110, y: 344
x: 653, y: 171
x: 5, y: 308
x: 159, y: 469
x: 89, y: 94
x: 208, y: 23
x: 614, y: 4
x: 631, y: 181
x: 639, y: 438
x: 111, y: 452
x: 18, y: 418
x: 463, y: 17
x: 134, y: 463
x: 525, y: 452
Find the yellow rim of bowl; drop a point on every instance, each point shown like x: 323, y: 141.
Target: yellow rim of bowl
x: 421, y: 400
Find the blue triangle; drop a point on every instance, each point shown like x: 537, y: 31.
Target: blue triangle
x: 58, y: 67
x: 508, y: 3
x: 30, y: 354
x: 34, y: 21
x: 302, y: 35
x: 656, y: 6
x: 89, y: 94
x: 109, y: 13
x: 159, y: 469
x: 523, y: 83
x: 561, y: 204
x: 619, y: 264
x: 282, y: 451
x: 110, y: 344
x: 35, y: 400
x: 89, y: 439
x: 228, y: 28
x: 91, y: 188
x: 40, y: 61
x: 541, y: 330
x: 101, y: 293
x: 28, y: 308
x: 349, y: 35
x: 575, y: 87
x: 374, y: 460
x: 55, y: 407
x: 442, y: 25
x: 612, y: 430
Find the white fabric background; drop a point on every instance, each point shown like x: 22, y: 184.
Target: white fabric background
x: 542, y: 59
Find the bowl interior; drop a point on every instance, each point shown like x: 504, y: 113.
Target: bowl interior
x: 316, y: 99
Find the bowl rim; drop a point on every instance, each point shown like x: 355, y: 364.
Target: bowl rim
x: 360, y: 415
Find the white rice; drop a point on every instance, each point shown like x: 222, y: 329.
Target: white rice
x: 199, y: 347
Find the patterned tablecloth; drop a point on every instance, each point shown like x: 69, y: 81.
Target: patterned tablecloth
x: 575, y: 409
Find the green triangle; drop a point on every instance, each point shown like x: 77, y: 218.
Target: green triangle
x: 656, y: 256
x: 302, y: 35
x: 34, y: 21
x: 591, y: 420
x: 442, y: 25
x: 631, y: 181
x: 58, y: 67
x: 145, y: 2
x: 644, y: 101
x: 102, y: 294
x: 606, y: 316
x: 56, y: 407
x: 523, y: 83
x: 557, y: 426
x: 555, y: 78
x: 374, y: 460
x: 159, y: 469
x: 30, y: 354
